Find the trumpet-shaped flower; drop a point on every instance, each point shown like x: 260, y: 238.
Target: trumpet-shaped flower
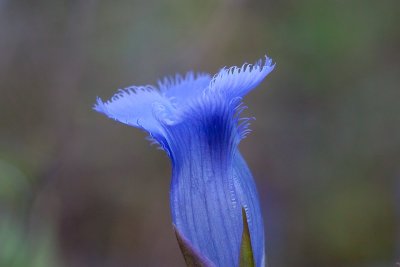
x: 196, y: 119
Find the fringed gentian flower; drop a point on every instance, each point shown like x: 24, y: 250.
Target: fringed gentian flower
x: 196, y: 119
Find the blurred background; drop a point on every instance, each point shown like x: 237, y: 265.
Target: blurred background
x: 78, y: 189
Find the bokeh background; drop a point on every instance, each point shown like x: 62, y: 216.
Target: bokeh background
x: 78, y: 189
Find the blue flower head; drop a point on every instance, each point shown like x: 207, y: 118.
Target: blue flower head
x: 196, y: 119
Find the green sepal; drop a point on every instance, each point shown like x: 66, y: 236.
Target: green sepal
x: 192, y: 256
x: 246, y: 258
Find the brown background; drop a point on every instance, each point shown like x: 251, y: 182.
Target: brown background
x: 77, y: 189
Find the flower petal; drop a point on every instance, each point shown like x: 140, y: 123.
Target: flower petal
x: 236, y: 81
x: 246, y: 193
x: 140, y: 107
x: 182, y: 89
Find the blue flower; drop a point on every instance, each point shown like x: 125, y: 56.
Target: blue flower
x: 196, y: 119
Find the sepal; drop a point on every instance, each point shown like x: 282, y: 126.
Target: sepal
x: 246, y: 257
x: 192, y: 256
